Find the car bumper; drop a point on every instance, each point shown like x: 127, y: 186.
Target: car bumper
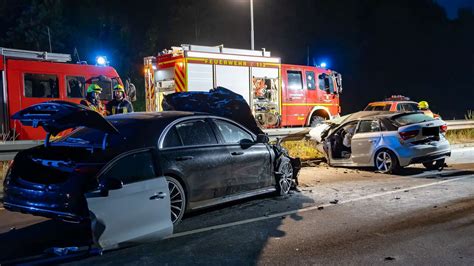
x: 65, y: 216
x: 421, y: 153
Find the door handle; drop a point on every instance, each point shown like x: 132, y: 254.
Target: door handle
x: 158, y: 196
x: 184, y: 158
x: 237, y: 153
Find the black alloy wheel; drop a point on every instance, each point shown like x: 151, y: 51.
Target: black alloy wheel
x: 177, y: 199
x: 285, y: 180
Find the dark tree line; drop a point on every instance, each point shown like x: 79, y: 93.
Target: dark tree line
x: 406, y: 47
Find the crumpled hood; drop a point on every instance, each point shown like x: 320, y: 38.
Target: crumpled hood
x: 219, y: 101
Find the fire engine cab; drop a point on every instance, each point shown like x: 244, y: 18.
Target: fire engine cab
x: 279, y: 95
x: 30, y: 77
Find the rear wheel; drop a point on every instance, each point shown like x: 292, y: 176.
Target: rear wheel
x: 177, y: 198
x: 284, y: 177
x: 386, y: 161
x: 434, y: 165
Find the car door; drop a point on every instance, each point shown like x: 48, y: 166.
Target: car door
x: 135, y: 208
x: 365, y: 140
x: 190, y: 150
x: 251, y: 161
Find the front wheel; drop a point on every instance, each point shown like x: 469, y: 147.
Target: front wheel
x: 316, y: 120
x: 386, y: 162
x: 434, y: 165
x: 177, y: 199
x: 284, y: 177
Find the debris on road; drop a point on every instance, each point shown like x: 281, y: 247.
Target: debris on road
x: 334, y: 201
x: 389, y: 258
x: 320, y: 208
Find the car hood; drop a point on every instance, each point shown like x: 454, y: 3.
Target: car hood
x: 57, y: 116
x: 219, y: 101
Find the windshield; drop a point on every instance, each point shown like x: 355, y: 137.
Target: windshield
x: 90, y: 137
x: 408, y: 119
x: 378, y: 107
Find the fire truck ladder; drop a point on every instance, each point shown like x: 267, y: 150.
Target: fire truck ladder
x: 34, y: 55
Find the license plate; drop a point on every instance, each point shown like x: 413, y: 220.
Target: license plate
x: 430, y: 131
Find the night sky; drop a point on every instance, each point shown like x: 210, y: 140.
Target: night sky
x: 423, y: 49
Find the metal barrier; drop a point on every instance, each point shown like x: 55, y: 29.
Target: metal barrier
x: 9, y: 149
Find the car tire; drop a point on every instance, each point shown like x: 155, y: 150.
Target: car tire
x: 316, y: 120
x: 284, y: 177
x: 434, y: 165
x: 385, y: 161
x: 177, y: 199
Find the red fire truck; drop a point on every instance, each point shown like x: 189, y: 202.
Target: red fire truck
x: 280, y: 95
x: 30, y: 77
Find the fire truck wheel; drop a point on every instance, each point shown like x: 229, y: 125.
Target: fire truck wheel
x: 316, y: 120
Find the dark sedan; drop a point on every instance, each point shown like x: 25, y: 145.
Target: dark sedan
x: 112, y: 170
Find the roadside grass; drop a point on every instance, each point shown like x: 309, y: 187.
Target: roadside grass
x: 3, y: 170
x: 460, y: 136
x: 304, y: 149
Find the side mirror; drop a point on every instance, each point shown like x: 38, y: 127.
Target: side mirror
x: 110, y: 184
x: 262, y: 138
x: 246, y: 143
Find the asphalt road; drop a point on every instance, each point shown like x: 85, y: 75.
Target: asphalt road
x: 341, y: 216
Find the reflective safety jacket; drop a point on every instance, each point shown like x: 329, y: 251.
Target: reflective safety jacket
x: 119, y: 107
x: 99, y: 108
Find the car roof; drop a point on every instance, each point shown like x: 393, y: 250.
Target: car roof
x: 152, y: 115
x: 390, y: 102
x: 365, y: 115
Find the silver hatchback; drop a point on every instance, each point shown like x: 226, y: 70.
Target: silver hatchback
x: 384, y: 141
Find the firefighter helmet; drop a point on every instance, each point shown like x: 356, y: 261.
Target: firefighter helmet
x: 423, y: 105
x: 94, y: 88
x: 119, y: 87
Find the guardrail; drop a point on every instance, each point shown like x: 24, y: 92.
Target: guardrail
x: 9, y: 149
x: 298, y: 131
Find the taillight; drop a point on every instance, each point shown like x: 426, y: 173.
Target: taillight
x: 443, y: 128
x: 409, y: 134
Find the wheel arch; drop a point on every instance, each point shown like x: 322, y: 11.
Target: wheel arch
x: 384, y: 148
x: 318, y: 111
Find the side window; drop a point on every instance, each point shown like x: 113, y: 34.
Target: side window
x: 75, y: 86
x: 172, y: 139
x: 41, y: 85
x: 295, y: 81
x: 366, y: 126
x: 197, y: 132
x: 132, y: 168
x: 310, y: 81
x: 326, y: 83
x: 232, y: 133
x: 412, y: 107
x: 106, y: 86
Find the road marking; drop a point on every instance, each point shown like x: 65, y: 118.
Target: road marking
x: 201, y: 230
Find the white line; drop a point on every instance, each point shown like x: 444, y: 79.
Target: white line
x: 191, y: 232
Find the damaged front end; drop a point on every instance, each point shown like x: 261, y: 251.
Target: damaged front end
x: 225, y: 103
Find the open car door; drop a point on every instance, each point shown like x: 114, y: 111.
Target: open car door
x: 132, y: 205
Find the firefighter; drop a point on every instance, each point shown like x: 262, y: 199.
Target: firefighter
x: 119, y: 105
x: 92, y: 99
x: 425, y: 108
